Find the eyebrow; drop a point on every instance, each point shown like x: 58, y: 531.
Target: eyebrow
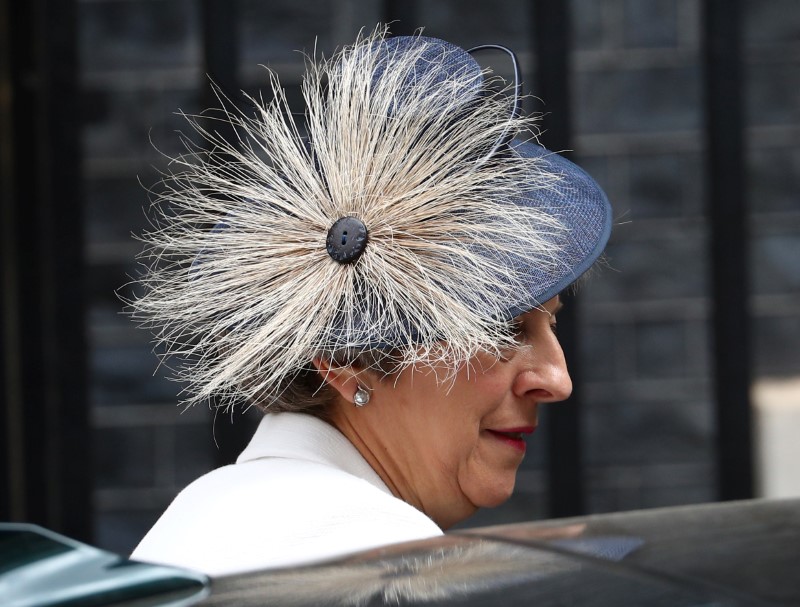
x: 559, y: 306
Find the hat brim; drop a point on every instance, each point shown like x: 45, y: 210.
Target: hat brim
x: 585, y: 214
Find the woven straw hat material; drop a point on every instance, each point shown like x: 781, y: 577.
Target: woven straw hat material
x: 583, y: 210
x: 436, y: 64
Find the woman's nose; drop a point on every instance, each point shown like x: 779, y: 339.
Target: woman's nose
x: 543, y: 375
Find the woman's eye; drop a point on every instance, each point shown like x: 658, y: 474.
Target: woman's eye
x: 554, y: 328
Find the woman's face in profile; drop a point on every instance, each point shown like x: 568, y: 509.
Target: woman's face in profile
x: 450, y: 448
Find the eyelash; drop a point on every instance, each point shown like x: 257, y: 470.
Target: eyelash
x: 516, y: 328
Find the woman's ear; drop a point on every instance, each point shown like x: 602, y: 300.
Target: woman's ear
x: 345, y: 380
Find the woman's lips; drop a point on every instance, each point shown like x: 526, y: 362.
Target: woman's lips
x: 513, y: 437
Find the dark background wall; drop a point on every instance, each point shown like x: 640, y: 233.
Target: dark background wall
x: 630, y: 97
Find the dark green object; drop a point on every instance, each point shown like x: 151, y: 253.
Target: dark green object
x: 43, y: 569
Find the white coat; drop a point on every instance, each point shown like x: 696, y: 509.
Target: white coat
x: 300, y: 492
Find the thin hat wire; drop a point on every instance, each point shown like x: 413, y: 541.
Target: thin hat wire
x: 516, y: 111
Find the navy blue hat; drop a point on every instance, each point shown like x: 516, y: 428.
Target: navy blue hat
x: 583, y: 209
x: 573, y: 196
x: 409, y: 210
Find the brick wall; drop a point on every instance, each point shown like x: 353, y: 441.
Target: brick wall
x: 650, y: 421
x: 140, y: 63
x: 637, y: 116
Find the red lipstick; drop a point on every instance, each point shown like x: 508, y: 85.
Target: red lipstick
x: 513, y: 437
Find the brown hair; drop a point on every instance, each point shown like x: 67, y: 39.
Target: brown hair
x: 308, y: 392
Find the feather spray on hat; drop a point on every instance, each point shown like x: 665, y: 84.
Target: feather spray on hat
x: 398, y: 133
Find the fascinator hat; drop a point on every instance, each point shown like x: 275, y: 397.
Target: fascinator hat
x: 405, y: 213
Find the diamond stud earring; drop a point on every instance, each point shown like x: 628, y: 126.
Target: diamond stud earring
x: 361, y: 397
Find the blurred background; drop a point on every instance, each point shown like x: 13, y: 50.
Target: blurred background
x: 684, y: 349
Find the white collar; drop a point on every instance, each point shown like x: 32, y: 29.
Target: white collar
x: 305, y: 437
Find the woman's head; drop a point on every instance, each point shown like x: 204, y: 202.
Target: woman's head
x: 401, y: 227
x: 450, y: 447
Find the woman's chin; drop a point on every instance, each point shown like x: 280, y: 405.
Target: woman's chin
x: 493, y: 495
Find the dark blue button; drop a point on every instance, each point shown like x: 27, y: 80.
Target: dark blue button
x: 347, y: 239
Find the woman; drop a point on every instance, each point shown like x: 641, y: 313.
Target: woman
x: 384, y: 286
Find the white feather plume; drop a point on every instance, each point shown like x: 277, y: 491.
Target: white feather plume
x: 247, y: 305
